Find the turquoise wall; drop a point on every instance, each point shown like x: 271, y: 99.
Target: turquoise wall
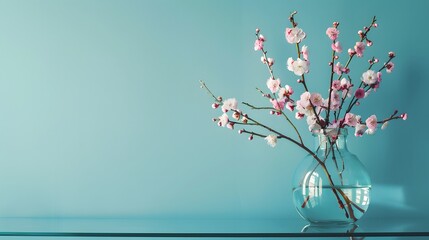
x: 101, y: 113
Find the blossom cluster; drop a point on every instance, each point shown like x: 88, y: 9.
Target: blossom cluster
x: 322, y: 110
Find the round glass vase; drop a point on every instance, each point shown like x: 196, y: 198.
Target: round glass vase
x: 331, y: 186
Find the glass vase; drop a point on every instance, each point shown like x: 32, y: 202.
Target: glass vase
x: 331, y: 186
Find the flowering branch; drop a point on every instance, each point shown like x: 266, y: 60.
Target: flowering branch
x: 311, y: 105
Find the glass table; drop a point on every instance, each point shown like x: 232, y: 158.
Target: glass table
x: 35, y: 228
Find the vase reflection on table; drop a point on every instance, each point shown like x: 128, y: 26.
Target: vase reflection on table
x: 331, y: 229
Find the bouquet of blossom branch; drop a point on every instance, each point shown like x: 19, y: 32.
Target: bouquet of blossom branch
x: 333, y: 112
x: 325, y: 115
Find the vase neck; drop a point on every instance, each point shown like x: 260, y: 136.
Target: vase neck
x: 324, y: 139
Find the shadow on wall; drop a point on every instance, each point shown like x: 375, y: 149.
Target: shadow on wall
x: 406, y: 166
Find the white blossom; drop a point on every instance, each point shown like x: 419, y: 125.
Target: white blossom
x: 300, y: 67
x: 223, y: 120
x: 294, y: 35
x: 228, y: 104
x: 369, y: 77
x: 271, y: 140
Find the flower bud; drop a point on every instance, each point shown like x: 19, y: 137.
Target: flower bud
x: 219, y: 99
x: 346, y: 70
x: 368, y: 43
x: 270, y: 62
x: 335, y: 24
x: 365, y: 28
x: 244, y: 120
x: 351, y: 52
x: 375, y: 25
x: 392, y: 54
x: 404, y: 116
x: 376, y: 60
x: 214, y: 119
x: 251, y: 137
x: 240, y: 131
x: 360, y: 33
x: 230, y: 125
x: 336, y: 57
x: 215, y: 105
x: 236, y: 115
x: 272, y: 112
x: 257, y: 30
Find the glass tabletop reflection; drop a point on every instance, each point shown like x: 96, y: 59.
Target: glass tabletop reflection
x: 179, y: 228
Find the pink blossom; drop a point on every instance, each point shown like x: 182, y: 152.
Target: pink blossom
x: 259, y: 44
x: 287, y: 91
x: 350, y: 119
x: 278, y: 104
x: 273, y: 84
x: 230, y: 125
x: 335, y: 100
x: 332, y: 33
x: 389, y: 67
x: 359, y: 129
x: 299, y: 115
x: 305, y: 99
x: 379, y: 77
x: 294, y: 35
x: 290, y: 106
x: 338, y: 68
x: 360, y: 93
x: 359, y: 48
x: 351, y: 52
x: 336, y: 47
x: 305, y: 52
x: 316, y: 99
x: 404, y: 116
x: 371, y: 122
x: 261, y: 37
x: 336, y: 84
